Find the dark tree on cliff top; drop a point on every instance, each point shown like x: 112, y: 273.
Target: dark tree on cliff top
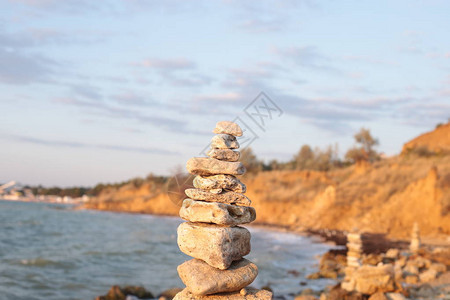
x: 364, y: 151
x: 304, y: 158
x: 250, y: 161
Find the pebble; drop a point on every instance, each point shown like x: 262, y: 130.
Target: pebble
x: 224, y: 197
x: 224, y: 154
x: 228, y: 128
x: 217, y: 213
x: 226, y: 182
x: 224, y: 141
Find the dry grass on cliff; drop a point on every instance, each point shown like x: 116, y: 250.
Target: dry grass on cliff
x: 387, y: 196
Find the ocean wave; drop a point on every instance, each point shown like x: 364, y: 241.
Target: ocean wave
x: 42, y: 262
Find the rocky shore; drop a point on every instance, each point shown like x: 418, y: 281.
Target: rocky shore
x: 392, y: 274
x: 386, y: 200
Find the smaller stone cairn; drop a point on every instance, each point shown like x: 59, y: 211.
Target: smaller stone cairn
x: 354, y: 253
x: 212, y: 235
x: 415, y: 239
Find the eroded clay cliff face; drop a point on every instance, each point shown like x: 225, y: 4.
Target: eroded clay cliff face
x: 385, y: 197
x: 146, y: 199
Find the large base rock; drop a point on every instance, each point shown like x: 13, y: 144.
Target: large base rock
x: 217, y: 213
x: 217, y: 245
x: 250, y: 294
x: 202, y: 279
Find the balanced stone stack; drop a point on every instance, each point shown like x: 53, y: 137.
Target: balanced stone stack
x: 354, y: 253
x: 214, y: 210
x: 415, y: 239
x: 354, y: 246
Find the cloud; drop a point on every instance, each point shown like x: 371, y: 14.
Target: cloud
x: 411, y: 49
x: 131, y: 98
x: 21, y: 63
x: 40, y: 36
x: 219, y: 98
x: 336, y: 114
x: 70, y: 144
x: 307, y: 57
x: 253, y: 77
x: 262, y: 26
x: 190, y: 80
x: 66, y: 6
x: 170, y: 71
x: 20, y: 68
x: 424, y: 111
x: 370, y: 60
x: 107, y: 110
x: 87, y: 91
x: 166, y: 64
x: 412, y: 42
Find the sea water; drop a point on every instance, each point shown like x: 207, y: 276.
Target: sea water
x: 55, y: 252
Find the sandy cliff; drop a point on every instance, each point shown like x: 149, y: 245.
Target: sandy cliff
x: 386, y: 197
x: 437, y: 141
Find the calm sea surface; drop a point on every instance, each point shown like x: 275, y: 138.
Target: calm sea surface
x: 50, y: 251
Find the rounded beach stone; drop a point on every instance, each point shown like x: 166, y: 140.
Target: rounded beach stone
x: 354, y: 238
x: 354, y: 246
x: 202, y: 279
x: 224, y: 141
x: 228, y: 128
x: 210, y: 166
x: 217, y: 245
x: 252, y: 294
x: 224, y: 197
x: 226, y: 182
x: 217, y: 213
x: 224, y: 154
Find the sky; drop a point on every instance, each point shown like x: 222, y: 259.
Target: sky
x: 103, y: 91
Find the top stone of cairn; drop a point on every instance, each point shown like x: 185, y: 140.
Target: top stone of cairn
x: 228, y: 127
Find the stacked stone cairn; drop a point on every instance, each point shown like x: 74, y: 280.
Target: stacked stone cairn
x: 354, y: 253
x: 214, y: 210
x: 415, y: 239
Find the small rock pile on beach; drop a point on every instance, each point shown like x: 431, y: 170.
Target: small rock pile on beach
x: 354, y: 246
x: 214, y: 210
x: 419, y: 272
x: 415, y: 239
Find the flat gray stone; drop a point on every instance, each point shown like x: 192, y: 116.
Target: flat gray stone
x: 224, y: 197
x: 228, y: 128
x: 250, y: 294
x: 210, y: 166
x: 217, y: 213
x: 226, y: 182
x: 224, y: 154
x: 224, y: 141
x: 217, y: 245
x: 202, y: 279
